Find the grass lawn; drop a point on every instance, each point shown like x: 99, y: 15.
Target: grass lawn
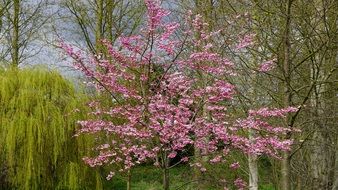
x: 149, y: 178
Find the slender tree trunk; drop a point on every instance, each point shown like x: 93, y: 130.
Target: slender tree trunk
x: 253, y: 168
x: 1, y: 15
x: 285, y: 167
x: 166, y: 173
x: 335, y: 182
x: 285, y: 171
x: 252, y: 159
x: 110, y: 9
x: 320, y: 160
x: 99, y: 25
x: 129, y: 180
x: 15, y: 37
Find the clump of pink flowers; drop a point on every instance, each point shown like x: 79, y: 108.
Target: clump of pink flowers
x: 245, y: 41
x: 156, y: 113
x: 267, y: 65
x: 240, y: 184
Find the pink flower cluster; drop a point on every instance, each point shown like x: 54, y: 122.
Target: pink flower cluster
x: 266, y: 112
x: 155, y: 14
x: 271, y: 142
x: 246, y: 41
x: 267, y: 65
x: 240, y: 184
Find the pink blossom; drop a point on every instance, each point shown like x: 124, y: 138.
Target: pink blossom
x: 111, y: 174
x: 155, y: 14
x: 246, y: 41
x: 235, y: 165
x: 267, y: 66
x: 266, y: 112
x: 240, y: 184
x: 216, y: 159
x: 172, y: 155
x: 185, y: 159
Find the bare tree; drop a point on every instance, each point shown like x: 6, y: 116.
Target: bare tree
x: 21, y: 22
x: 99, y: 19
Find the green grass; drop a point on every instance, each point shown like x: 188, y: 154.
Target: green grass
x: 267, y: 187
x: 148, y: 178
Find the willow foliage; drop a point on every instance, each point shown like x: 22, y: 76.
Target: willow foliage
x: 37, y: 124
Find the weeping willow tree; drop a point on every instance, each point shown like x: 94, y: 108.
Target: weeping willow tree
x: 37, y: 124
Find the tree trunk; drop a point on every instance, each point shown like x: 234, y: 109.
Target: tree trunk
x: 253, y: 168
x: 1, y: 15
x: 99, y: 25
x: 285, y: 171
x: 322, y: 155
x: 15, y: 38
x: 110, y: 9
x: 252, y: 159
x: 285, y: 167
x: 335, y: 182
x: 166, y: 174
x: 129, y: 180
x: 320, y: 162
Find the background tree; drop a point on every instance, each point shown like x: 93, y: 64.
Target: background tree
x: 21, y: 24
x: 112, y: 18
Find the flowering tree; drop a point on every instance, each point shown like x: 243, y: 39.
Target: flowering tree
x: 166, y: 98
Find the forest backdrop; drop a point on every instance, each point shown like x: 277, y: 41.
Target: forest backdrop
x: 284, y: 55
